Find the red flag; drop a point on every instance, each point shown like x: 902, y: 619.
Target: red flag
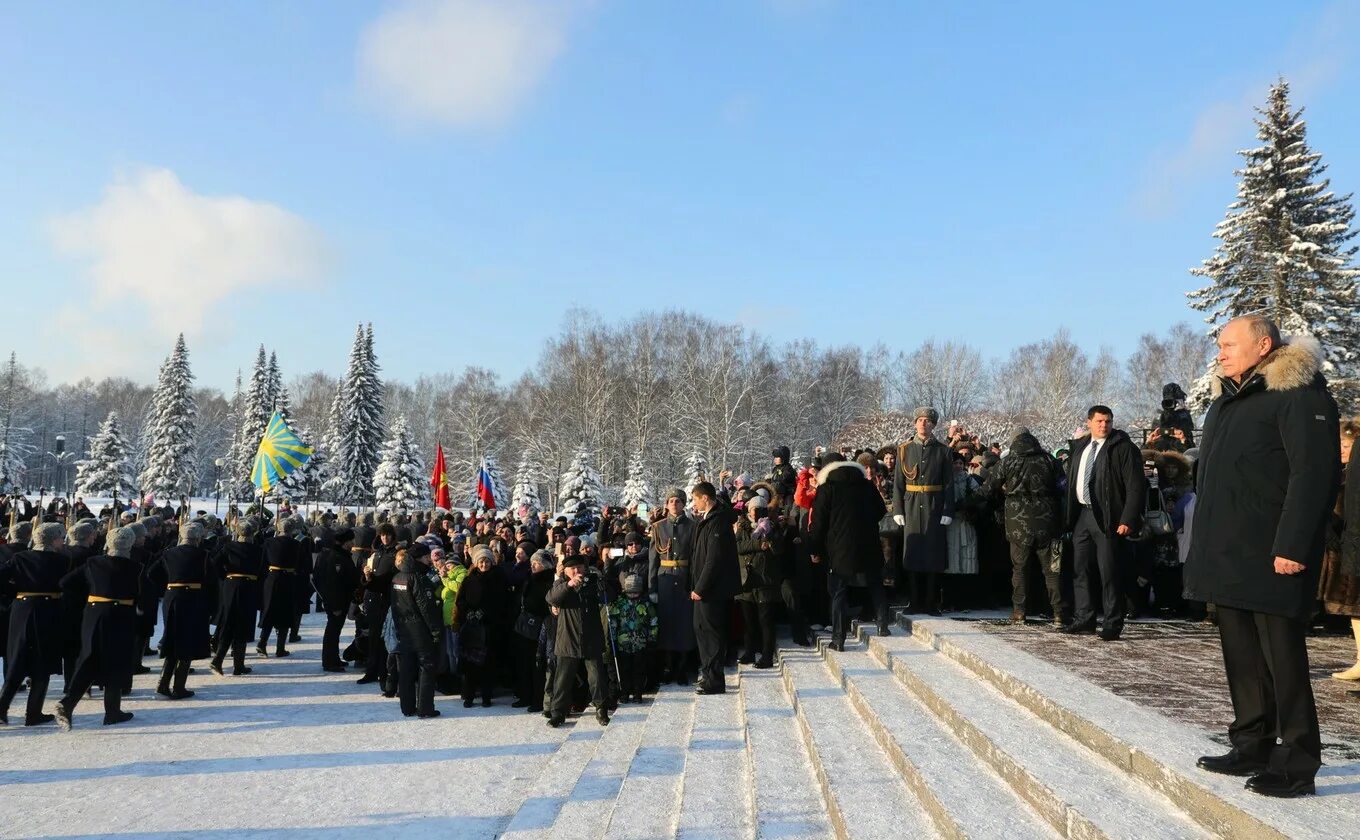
x: 440, y: 480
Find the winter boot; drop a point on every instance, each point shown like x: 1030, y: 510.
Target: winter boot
x: 167, y: 671
x: 179, y: 692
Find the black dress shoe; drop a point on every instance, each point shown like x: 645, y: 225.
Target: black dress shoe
x: 121, y: 717
x: 703, y: 689
x: 1280, y: 785
x: 1231, y: 764
x: 883, y: 630
x: 1110, y: 634
x: 467, y: 704
x: 242, y: 671
x: 519, y: 704
x: 602, y: 717
x: 39, y: 720
x: 762, y: 664
x: 1087, y: 626
x: 366, y: 679
x: 747, y: 659
x: 486, y: 702
x: 534, y: 710
x: 555, y: 721
x: 432, y: 713
x: 334, y: 669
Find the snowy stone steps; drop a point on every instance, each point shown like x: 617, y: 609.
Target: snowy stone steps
x: 548, y: 794
x: 1147, y: 747
x: 862, y: 791
x: 716, y: 787
x: 589, y: 807
x: 781, y: 770
x: 963, y: 796
x: 1078, y: 793
x: 649, y: 798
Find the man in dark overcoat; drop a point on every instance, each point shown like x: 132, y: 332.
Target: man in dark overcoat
x: 182, y: 574
x: 924, y: 506
x: 34, y: 645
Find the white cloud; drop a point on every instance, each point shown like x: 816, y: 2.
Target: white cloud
x: 177, y: 256
x: 461, y: 62
x: 1311, y: 60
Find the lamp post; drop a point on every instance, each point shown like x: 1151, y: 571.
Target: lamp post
x: 217, y: 483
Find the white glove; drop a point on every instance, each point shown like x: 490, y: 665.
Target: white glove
x: 900, y: 520
x: 653, y: 597
x: 945, y: 520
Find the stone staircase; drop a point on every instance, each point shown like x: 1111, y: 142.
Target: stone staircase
x: 941, y: 729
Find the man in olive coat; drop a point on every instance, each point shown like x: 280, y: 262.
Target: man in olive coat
x: 1269, y: 468
x: 924, y: 506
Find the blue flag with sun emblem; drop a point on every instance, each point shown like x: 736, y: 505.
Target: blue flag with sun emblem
x: 281, y: 452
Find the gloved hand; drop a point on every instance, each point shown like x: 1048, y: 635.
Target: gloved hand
x: 653, y: 597
x: 900, y: 520
x: 945, y: 520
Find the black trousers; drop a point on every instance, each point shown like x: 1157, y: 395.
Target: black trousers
x: 564, y: 683
x: 632, y: 674
x: 80, y: 683
x: 15, y: 672
x: 838, y: 588
x: 758, y: 623
x: 1022, y: 553
x: 1266, y: 658
x: 528, y: 671
x: 375, y: 608
x: 1097, y: 556
x: 330, y: 638
x: 415, y: 679
x: 711, y: 620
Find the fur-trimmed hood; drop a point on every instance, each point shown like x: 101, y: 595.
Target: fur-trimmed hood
x: 1293, y: 364
x: 826, y: 471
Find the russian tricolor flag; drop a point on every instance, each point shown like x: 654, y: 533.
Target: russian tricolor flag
x: 485, y: 492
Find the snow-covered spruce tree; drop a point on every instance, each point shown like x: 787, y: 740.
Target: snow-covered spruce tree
x: 252, y: 418
x: 171, y: 460
x: 580, y: 487
x: 399, y: 482
x: 1283, y: 247
x: 108, y: 470
x: 696, y: 470
x: 13, y: 447
x: 273, y: 381
x: 638, y: 488
x: 358, y: 436
x: 498, y: 488
x: 527, y: 479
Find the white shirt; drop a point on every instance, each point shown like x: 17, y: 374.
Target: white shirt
x: 1088, y: 459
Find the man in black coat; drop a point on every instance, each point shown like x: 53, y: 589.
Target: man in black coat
x: 717, y: 580
x: 576, y: 598
x: 378, y: 572
x: 238, y: 567
x: 1268, y: 475
x: 284, y: 564
x: 336, y: 578
x: 34, y: 646
x: 420, y: 627
x: 845, y: 517
x: 182, y: 574
x: 110, y: 585
x: 782, y: 476
x: 1106, y: 495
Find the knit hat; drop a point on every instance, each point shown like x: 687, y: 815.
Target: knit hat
x: 632, y: 538
x: 634, y: 585
x: 574, y: 543
x: 482, y: 552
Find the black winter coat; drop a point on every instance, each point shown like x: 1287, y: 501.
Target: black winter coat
x: 1269, y: 463
x: 713, y: 563
x: 35, y: 623
x: 283, y: 566
x: 185, y: 610
x: 416, y: 610
x: 336, y: 578
x: 580, y: 625
x: 1031, y: 481
x: 761, y: 574
x: 845, y: 517
x: 1119, y: 494
x: 238, y: 567
x: 108, y: 630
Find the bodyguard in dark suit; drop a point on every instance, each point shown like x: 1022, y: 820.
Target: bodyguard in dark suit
x: 717, y: 580
x: 1269, y: 468
x: 34, y: 646
x: 1106, y: 495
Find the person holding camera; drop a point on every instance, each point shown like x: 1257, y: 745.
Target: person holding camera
x: 576, y: 598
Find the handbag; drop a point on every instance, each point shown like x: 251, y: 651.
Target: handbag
x: 888, y: 527
x: 528, y: 624
x: 1156, y: 520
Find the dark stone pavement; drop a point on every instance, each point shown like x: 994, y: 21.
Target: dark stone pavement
x: 1176, y: 667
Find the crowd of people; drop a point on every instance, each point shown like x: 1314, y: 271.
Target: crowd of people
x: 604, y: 606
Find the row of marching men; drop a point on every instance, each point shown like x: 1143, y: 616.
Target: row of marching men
x: 84, y: 605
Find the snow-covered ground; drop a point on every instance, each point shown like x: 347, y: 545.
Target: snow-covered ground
x: 287, y: 751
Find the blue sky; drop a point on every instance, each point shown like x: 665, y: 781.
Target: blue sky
x: 460, y: 171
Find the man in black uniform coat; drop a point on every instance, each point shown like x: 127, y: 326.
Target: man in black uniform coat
x: 336, y: 578
x: 182, y: 574
x: 238, y: 568
x: 378, y: 573
x: 34, y: 646
x: 110, y: 585
x: 420, y: 626
x: 717, y: 580
x: 1269, y: 469
x: 80, y: 546
x: 283, y: 563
